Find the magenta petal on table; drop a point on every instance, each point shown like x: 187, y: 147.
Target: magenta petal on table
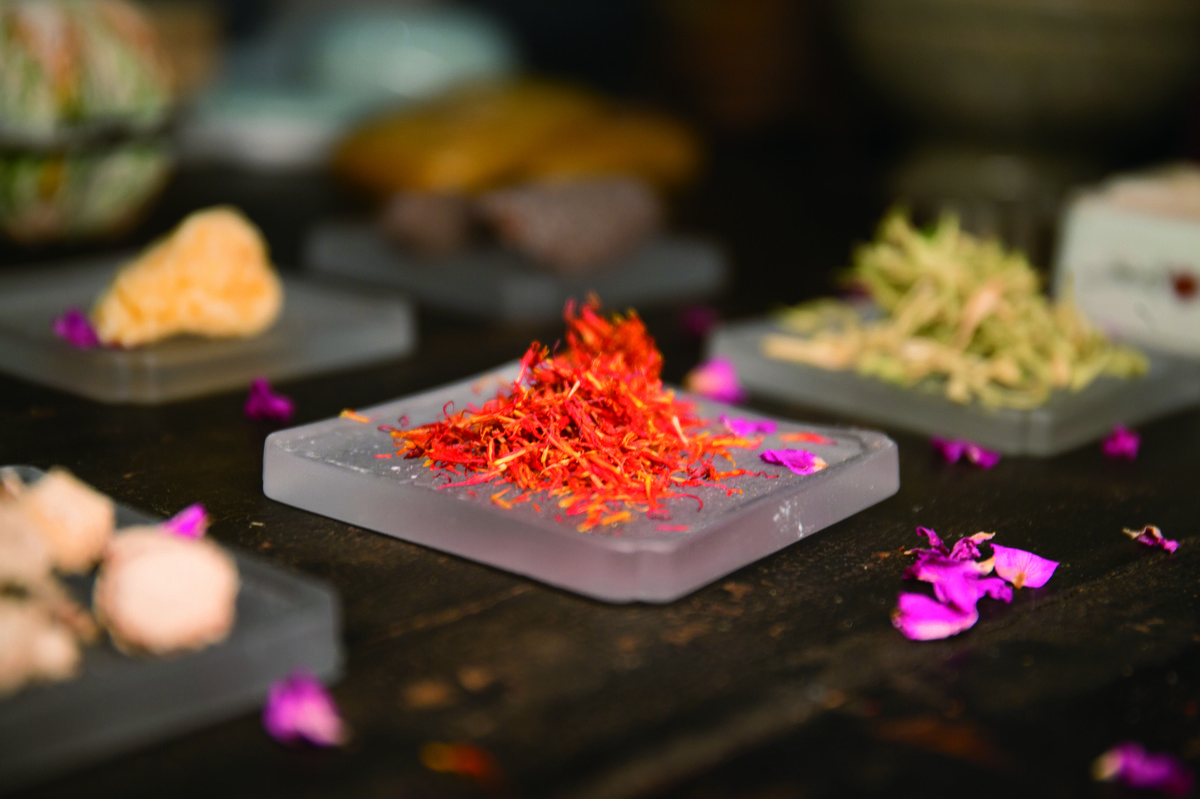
x: 955, y: 449
x: 300, y: 709
x: 717, y: 380
x: 800, y: 461
x: 950, y: 448
x: 922, y: 618
x: 748, y: 427
x: 265, y: 403
x: 698, y: 320
x: 1151, y: 536
x: 1022, y: 569
x: 983, y: 458
x: 1129, y: 763
x: 191, y: 522
x: 76, y: 329
x: 968, y: 548
x: 935, y: 541
x: 1122, y: 443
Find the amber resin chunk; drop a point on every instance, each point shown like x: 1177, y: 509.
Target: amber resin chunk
x: 211, y: 276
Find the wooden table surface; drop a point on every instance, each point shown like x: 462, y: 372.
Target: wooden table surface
x: 784, y: 679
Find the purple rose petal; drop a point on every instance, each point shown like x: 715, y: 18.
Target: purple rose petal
x: 191, y: 522
x: 1151, y: 536
x: 748, y: 427
x: 698, y: 321
x: 968, y: 548
x: 1122, y: 443
x: 1022, y: 569
x: 921, y: 618
x: 76, y: 329
x: 265, y: 403
x: 717, y: 380
x: 800, y: 461
x: 955, y: 449
x: 934, y: 539
x: 1129, y: 763
x: 300, y: 709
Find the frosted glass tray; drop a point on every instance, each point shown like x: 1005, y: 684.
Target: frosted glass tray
x: 118, y: 703
x: 498, y: 284
x: 1066, y: 421
x: 330, y: 468
x: 321, y: 328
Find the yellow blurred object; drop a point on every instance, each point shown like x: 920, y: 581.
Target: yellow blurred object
x: 211, y: 276
x: 486, y: 137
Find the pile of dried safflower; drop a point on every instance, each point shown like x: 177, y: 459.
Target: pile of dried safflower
x: 960, y: 579
x: 592, y: 427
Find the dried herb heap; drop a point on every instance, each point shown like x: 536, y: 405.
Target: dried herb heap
x: 591, y: 427
x: 957, y: 309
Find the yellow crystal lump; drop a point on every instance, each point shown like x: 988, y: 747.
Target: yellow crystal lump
x: 211, y: 276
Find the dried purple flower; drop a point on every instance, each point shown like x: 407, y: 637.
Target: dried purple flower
x: 1022, y: 569
x: 1129, y: 763
x: 76, y: 329
x: 921, y: 618
x: 299, y: 709
x: 1151, y: 536
x: 717, y: 380
x: 748, y: 427
x: 1122, y: 443
x: 955, y: 449
x: 265, y: 403
x: 800, y: 461
x: 191, y: 522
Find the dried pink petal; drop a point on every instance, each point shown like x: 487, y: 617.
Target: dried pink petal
x: 1129, y: 763
x: 921, y: 618
x: 299, y: 709
x: 76, y: 329
x: 699, y: 320
x: 191, y: 522
x: 265, y: 403
x: 1021, y: 568
x: 717, y: 380
x: 800, y: 461
x: 1122, y: 443
x: 967, y: 548
x: 955, y: 449
x: 1151, y: 536
x: 748, y: 427
x: 934, y: 539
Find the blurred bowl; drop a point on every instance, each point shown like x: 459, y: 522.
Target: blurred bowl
x: 86, y: 96
x: 1027, y: 71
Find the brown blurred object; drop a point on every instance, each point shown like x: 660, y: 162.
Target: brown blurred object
x: 746, y: 64
x: 489, y: 136
x: 431, y: 224
x: 574, y: 226
x: 191, y: 35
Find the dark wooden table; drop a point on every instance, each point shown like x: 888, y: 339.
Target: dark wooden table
x: 784, y: 679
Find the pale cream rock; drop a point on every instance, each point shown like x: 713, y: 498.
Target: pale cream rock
x: 157, y: 593
x: 211, y: 276
x: 75, y: 520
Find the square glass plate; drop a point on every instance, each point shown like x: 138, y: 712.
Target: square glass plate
x: 118, y: 703
x: 495, y: 283
x: 321, y: 328
x: 1067, y: 420
x: 331, y: 468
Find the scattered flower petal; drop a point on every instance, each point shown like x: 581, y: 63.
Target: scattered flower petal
x: 1129, y: 763
x: 699, y: 320
x: 806, y: 438
x: 955, y: 449
x: 76, y: 329
x: 300, y: 709
x: 921, y: 618
x: 265, y: 403
x: 354, y: 416
x: 968, y: 548
x: 717, y: 380
x: 748, y: 427
x: 800, y: 461
x: 1151, y: 536
x: 935, y: 541
x: 1122, y: 443
x: 191, y: 522
x: 1023, y: 569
